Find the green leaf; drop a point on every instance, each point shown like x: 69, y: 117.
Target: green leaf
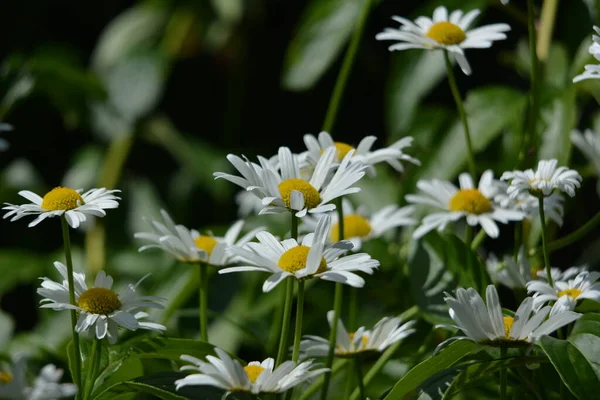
x: 20, y: 266
x: 434, y: 364
x: 167, y: 348
x: 572, y: 366
x: 559, y: 120
x: 324, y: 28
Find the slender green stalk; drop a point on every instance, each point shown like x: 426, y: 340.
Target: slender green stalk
x: 285, y: 321
x: 352, y: 307
x: 69, y: 261
x: 203, y: 300
x: 299, y: 315
x: 544, y: 243
x: 518, y: 239
x: 94, y: 363
x: 503, y: 374
x: 463, y: 115
x: 547, y: 20
x: 346, y: 69
x: 479, y: 238
x: 576, y: 235
x: 359, y: 378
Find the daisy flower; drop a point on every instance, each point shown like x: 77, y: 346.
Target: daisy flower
x: 566, y: 294
x: 190, y: 246
x: 46, y: 386
x: 488, y: 325
x: 62, y: 200
x: 543, y: 181
x: 385, y: 333
x: 101, y: 310
x: 392, y: 154
x: 589, y: 144
x: 287, y: 188
x: 360, y: 227
x: 530, y: 205
x: 449, y: 32
x: 311, y: 259
x: 474, y: 204
x: 256, y: 377
x: 560, y: 275
x: 592, y: 71
x: 510, y: 273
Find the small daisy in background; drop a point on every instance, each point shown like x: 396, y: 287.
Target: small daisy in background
x: 309, y: 259
x: 511, y: 273
x: 359, y: 227
x: 592, y: 71
x: 449, y: 32
x: 392, y: 154
x: 256, y: 377
x: 589, y: 144
x: 528, y: 204
x: 476, y: 205
x: 189, y: 246
x: 101, y: 310
x: 566, y: 293
x: 385, y: 333
x: 487, y: 324
x: 62, y: 200
x: 561, y: 275
x: 46, y: 386
x: 543, y: 181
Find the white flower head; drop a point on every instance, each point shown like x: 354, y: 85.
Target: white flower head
x: 309, y: 259
x: 392, y: 155
x: 592, y: 71
x: 529, y: 204
x: 486, y: 324
x: 46, y: 386
x: 385, y: 333
x: 256, y: 377
x: 190, y: 246
x: 360, y: 227
x: 566, y: 294
x: 589, y: 144
x: 511, y: 273
x: 287, y: 188
x: 61, y: 200
x: 101, y: 310
x: 477, y: 205
x: 444, y: 31
x: 560, y: 275
x: 543, y: 181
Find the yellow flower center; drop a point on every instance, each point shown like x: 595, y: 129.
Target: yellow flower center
x: 573, y: 293
x: 470, y: 201
x: 446, y: 33
x: 99, y: 301
x: 206, y: 243
x: 295, y: 258
x: 508, y: 323
x: 354, y: 226
x: 363, y: 340
x: 342, y: 149
x: 312, y: 198
x: 61, y: 198
x: 253, y: 372
x: 5, y: 377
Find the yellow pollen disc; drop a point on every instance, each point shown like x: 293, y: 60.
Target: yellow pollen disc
x: 312, y: 198
x: 363, y: 340
x: 342, y: 149
x: 508, y: 323
x: 206, y: 243
x: 470, y: 201
x: 573, y: 293
x: 446, y: 33
x: 295, y: 258
x: 354, y: 226
x: 253, y: 372
x: 5, y: 377
x: 61, y: 198
x: 99, y: 301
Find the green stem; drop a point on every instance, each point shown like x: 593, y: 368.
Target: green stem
x: 352, y: 307
x: 69, y: 261
x: 359, y: 378
x: 299, y: 314
x: 463, y: 115
x: 94, y: 363
x: 503, y: 374
x: 285, y: 321
x: 547, y: 18
x: 203, y: 300
x: 544, y: 242
x: 316, y: 385
x: 337, y: 308
x: 294, y: 230
x: 518, y: 240
x: 479, y: 238
x: 346, y: 69
x: 574, y: 236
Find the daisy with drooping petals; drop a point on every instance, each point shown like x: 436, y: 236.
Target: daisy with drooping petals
x: 61, y: 200
x: 101, y: 310
x: 385, y: 333
x: 190, y: 246
x: 510, y: 272
x: 311, y: 259
x: 543, y: 181
x: 589, y: 144
x: 592, y: 71
x: 449, y: 32
x: 477, y: 205
x: 486, y: 324
x: 46, y: 386
x: 359, y: 227
x: 392, y: 154
x: 289, y: 189
x: 566, y: 294
x: 256, y: 377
